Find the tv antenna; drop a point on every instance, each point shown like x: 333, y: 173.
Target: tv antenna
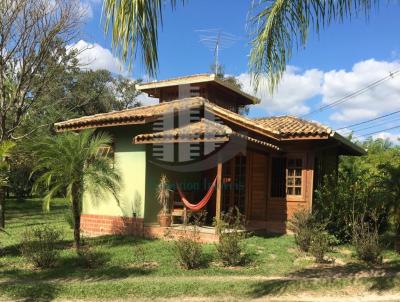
x: 216, y: 40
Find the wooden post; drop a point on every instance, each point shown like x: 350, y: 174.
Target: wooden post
x: 219, y: 191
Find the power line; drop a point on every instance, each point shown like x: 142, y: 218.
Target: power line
x: 355, y: 93
x: 370, y: 120
x: 369, y: 134
x: 376, y: 125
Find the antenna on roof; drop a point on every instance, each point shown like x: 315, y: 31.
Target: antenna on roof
x: 216, y: 40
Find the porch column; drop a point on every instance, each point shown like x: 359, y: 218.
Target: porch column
x: 219, y: 191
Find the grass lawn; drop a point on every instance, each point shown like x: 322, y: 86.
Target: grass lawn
x: 139, y: 268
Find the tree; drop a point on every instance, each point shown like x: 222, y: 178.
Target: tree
x: 391, y: 181
x: 275, y: 27
x: 5, y: 149
x: 72, y: 163
x: 29, y: 32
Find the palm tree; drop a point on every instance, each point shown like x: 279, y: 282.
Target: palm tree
x: 5, y: 149
x: 275, y: 28
x: 72, y: 163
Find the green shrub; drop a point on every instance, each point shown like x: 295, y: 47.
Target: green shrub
x: 188, y: 249
x: 366, y: 243
x: 321, y: 243
x: 231, y: 233
x: 90, y: 258
x: 303, y: 224
x: 39, y: 246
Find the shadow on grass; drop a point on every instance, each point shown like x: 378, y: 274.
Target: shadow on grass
x: 270, y: 287
x: 35, y: 292
x: 117, y: 240
x: 349, y: 270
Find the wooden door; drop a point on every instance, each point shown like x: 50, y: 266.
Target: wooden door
x: 257, y: 186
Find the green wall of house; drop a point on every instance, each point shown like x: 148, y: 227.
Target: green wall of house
x: 130, y: 161
x: 139, y: 179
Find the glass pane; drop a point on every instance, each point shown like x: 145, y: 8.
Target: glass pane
x: 291, y: 163
x: 297, y: 191
x: 298, y: 182
x: 298, y: 172
x: 290, y: 182
x: 290, y: 191
x: 290, y: 172
x: 299, y: 163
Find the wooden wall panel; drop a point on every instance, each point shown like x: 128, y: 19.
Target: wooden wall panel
x: 257, y: 186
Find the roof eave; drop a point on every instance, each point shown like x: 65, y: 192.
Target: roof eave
x: 356, y: 150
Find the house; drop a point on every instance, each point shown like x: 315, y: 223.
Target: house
x: 268, y: 167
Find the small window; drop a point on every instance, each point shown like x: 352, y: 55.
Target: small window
x: 294, y: 176
x: 278, y: 177
x: 106, y: 151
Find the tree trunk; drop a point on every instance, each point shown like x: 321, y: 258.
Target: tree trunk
x: 397, y: 238
x: 76, y: 211
x: 2, y: 208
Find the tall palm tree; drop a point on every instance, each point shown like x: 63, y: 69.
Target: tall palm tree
x: 72, y: 163
x: 276, y: 26
x: 5, y: 149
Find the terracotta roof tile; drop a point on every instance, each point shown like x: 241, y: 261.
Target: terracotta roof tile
x: 282, y: 127
x: 205, y: 130
x: 138, y: 115
x: 202, y: 131
x: 292, y: 127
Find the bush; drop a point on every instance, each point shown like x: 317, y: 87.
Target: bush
x: 188, y: 249
x: 39, y: 246
x: 303, y: 224
x: 321, y: 243
x: 366, y: 243
x: 90, y: 258
x: 230, y: 229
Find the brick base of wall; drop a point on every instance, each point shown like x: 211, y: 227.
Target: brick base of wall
x: 95, y: 225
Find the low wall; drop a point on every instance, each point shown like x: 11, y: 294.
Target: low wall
x: 95, y: 225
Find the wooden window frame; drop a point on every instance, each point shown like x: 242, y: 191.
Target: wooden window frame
x: 302, y: 157
x: 270, y: 197
x: 110, y: 153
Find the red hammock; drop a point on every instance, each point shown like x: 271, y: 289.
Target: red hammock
x: 201, y: 203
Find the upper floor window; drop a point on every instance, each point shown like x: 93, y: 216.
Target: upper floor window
x: 106, y: 151
x: 294, y: 176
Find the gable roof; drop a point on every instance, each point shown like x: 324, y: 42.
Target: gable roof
x: 145, y: 114
x: 277, y: 128
x: 195, y: 79
x: 290, y: 127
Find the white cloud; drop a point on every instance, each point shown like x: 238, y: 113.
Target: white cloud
x: 394, y: 138
x: 146, y: 100
x: 298, y: 87
x: 382, y: 98
x: 93, y: 56
x: 294, y: 89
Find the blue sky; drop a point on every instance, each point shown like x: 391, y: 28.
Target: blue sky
x: 343, y: 58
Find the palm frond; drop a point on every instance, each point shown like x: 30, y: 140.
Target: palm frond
x: 277, y: 26
x: 71, y: 159
x: 135, y: 26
